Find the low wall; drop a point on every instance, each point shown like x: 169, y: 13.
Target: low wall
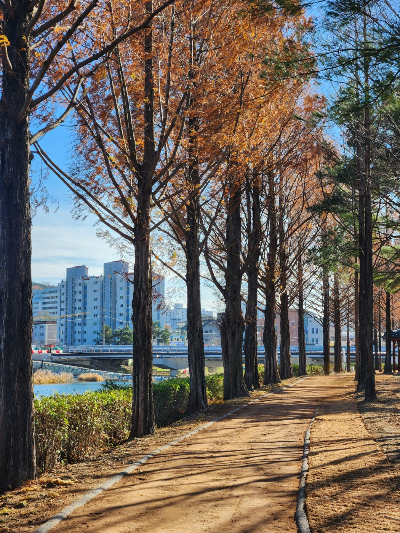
x: 77, y: 370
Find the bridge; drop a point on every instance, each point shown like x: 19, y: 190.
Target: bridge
x: 173, y: 357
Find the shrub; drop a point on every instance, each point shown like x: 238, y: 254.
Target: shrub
x: 71, y: 427
x: 215, y: 387
x: 170, y: 399
x: 261, y: 373
x: 315, y: 370
x: 90, y: 376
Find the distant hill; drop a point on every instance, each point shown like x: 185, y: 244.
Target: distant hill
x: 41, y: 286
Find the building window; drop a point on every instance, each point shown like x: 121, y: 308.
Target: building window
x: 312, y: 340
x: 121, y: 297
x: 95, y: 307
x: 94, y: 315
x: 121, y: 314
x: 95, y: 299
x: 316, y: 330
x: 79, y: 308
x: 122, y: 305
x: 312, y: 331
x: 316, y: 341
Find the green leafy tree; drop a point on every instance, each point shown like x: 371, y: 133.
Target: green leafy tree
x: 106, y: 335
x: 123, y: 335
x: 165, y: 335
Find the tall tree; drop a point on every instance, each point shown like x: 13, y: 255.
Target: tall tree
x: 36, y: 40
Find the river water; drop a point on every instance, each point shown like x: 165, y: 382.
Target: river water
x: 67, y: 388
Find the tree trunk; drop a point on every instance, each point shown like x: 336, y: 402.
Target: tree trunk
x: 367, y: 369
x: 380, y: 332
x: 300, y: 327
x: 348, y: 353
x: 17, y: 448
x: 196, y: 360
x: 198, y: 394
x: 388, y: 358
x: 271, y: 374
x: 376, y: 349
x: 251, y: 377
x: 357, y: 323
x: 325, y: 320
x: 142, y: 401
x: 338, y: 329
x: 232, y: 324
x: 285, y: 367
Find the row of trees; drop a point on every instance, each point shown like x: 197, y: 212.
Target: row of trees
x: 199, y: 144
x: 124, y: 335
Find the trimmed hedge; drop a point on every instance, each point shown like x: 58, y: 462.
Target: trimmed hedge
x: 70, y: 428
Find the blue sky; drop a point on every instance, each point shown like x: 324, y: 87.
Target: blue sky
x: 59, y: 241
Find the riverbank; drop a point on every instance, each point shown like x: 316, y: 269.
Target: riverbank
x: 76, y: 371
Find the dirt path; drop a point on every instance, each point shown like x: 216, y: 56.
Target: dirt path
x: 351, y: 486
x: 241, y: 474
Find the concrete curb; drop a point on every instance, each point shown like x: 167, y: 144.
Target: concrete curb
x: 301, y: 516
x: 62, y: 515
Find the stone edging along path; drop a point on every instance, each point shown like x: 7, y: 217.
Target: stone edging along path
x: 301, y: 517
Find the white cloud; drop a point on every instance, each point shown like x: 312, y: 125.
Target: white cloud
x: 59, y: 242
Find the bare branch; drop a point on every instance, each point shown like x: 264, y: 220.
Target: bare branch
x: 61, y: 119
x: 8, y: 6
x: 55, y: 20
x: 53, y: 54
x: 102, y: 147
x: 169, y: 267
x: 35, y: 18
x: 67, y: 179
x: 106, y: 50
x: 5, y: 59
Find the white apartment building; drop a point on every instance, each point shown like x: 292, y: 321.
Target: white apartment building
x: 44, y: 333
x: 171, y: 317
x: 45, y: 302
x: 87, y: 303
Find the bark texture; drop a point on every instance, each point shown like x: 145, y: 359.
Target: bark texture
x: 367, y: 369
x: 325, y: 319
x: 337, y: 320
x: 143, y: 422
x: 251, y: 375
x: 271, y: 374
x: 285, y: 366
x: 388, y: 359
x: 300, y: 326
x: 232, y: 323
x: 17, y: 450
x: 198, y: 394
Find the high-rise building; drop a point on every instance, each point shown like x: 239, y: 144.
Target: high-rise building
x: 88, y: 303
x: 45, y: 302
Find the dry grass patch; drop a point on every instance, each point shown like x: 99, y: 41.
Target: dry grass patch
x: 46, y: 377
x: 90, y: 376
